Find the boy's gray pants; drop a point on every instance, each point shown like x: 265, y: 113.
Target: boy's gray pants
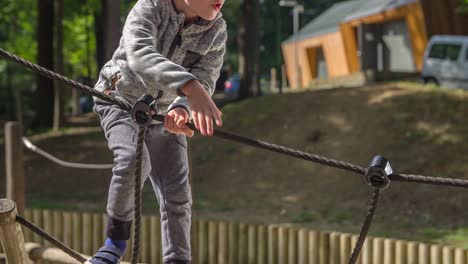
x: 165, y: 162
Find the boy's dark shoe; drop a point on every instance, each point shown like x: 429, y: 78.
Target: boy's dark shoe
x: 178, y: 262
x: 106, y: 255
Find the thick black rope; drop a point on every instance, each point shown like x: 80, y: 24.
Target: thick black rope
x: 365, y: 227
x: 137, y: 222
x: 55, y: 76
x: 34, y: 228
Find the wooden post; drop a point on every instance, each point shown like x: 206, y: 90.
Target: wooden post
x: 212, y: 242
x: 334, y: 248
x: 15, y: 164
x: 11, y: 235
x: 345, y: 248
x: 272, y: 244
x: 262, y: 242
x: 303, y: 241
x: 223, y: 243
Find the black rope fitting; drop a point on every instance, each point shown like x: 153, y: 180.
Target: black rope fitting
x: 142, y: 110
x: 378, y: 172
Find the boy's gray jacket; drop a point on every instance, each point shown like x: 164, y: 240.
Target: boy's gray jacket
x: 157, y: 55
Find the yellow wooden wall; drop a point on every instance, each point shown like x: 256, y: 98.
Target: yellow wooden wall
x: 333, y: 50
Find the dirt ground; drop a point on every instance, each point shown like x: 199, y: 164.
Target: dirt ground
x: 420, y: 130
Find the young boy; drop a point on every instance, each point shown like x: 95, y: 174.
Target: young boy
x: 173, y: 50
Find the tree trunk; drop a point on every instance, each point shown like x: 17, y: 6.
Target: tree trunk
x: 248, y: 41
x: 108, y: 30
x: 45, y: 58
x: 59, y: 67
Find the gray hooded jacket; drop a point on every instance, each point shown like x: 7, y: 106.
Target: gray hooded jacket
x: 157, y: 55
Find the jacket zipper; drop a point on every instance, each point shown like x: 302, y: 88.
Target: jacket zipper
x: 176, y: 42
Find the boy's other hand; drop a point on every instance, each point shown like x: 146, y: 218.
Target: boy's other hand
x: 176, y: 120
x: 203, y: 108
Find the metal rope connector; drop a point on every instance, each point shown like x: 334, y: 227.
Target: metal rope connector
x: 142, y: 110
x: 378, y: 172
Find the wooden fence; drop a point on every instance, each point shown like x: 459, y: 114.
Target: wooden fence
x: 234, y: 243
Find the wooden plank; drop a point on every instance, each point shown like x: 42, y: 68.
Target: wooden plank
x: 212, y: 242
x: 389, y: 251
x: 303, y: 246
x: 314, y: 248
x: 145, y: 240
x: 77, y: 232
x: 202, y: 242
x: 57, y: 225
x: 378, y: 250
x: 460, y: 256
x: 252, y: 244
x: 243, y: 243
x: 155, y: 240
x: 87, y: 243
x: 324, y: 248
x: 292, y: 246
x: 47, y: 223
x: 282, y: 245
x: 436, y: 254
x: 424, y: 256
x: 223, y: 248
x: 345, y: 248
x: 401, y: 252
x: 37, y: 220
x: 262, y: 242
x: 448, y: 255
x: 28, y: 234
x: 68, y: 229
x: 98, y: 232
x: 233, y: 243
x: 272, y: 244
x: 334, y: 248
x: 412, y: 253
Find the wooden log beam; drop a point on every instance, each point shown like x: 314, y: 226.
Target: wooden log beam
x: 11, y: 235
x: 37, y: 252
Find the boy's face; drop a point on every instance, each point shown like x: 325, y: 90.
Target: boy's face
x: 206, y: 9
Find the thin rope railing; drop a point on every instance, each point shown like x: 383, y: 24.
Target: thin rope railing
x: 244, y: 140
x: 29, y: 145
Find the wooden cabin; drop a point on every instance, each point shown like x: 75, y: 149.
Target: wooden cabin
x: 360, y: 35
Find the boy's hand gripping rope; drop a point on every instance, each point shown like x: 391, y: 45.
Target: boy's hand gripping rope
x: 376, y: 175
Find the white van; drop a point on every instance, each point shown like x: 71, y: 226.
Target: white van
x: 446, y: 61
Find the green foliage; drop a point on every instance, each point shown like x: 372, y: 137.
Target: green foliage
x: 463, y: 8
x: 80, y: 43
